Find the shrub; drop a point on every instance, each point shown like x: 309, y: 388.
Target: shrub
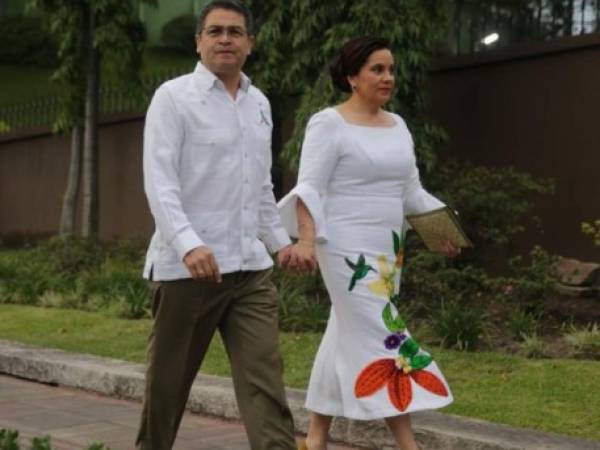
x: 25, y: 41
x: 9, y: 440
x: 178, y: 34
x: 585, y: 342
x: 76, y: 273
x: 303, y: 302
x: 593, y: 230
x: 70, y: 257
x: 522, y: 324
x: 529, y: 284
x: 428, y: 279
x: 458, y: 325
x: 492, y: 201
x: 533, y: 347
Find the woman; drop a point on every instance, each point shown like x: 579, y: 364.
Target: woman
x: 357, y: 181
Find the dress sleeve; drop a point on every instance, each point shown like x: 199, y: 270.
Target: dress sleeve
x: 320, y: 153
x: 416, y: 199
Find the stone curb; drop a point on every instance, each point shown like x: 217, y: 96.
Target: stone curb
x: 214, y: 396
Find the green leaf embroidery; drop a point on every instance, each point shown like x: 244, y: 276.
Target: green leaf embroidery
x: 397, y: 242
x: 391, y: 323
x: 420, y: 361
x: 395, y: 300
x: 410, y: 348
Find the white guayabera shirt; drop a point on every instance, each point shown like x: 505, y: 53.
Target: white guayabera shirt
x: 207, y: 176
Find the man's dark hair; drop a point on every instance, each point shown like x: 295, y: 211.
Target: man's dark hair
x: 352, y: 57
x: 231, y: 5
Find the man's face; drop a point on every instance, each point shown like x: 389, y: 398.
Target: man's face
x: 224, y: 43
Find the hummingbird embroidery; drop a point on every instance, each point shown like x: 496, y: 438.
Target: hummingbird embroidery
x: 360, y: 268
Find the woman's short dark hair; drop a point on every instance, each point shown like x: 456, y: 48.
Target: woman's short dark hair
x: 231, y: 5
x: 352, y: 57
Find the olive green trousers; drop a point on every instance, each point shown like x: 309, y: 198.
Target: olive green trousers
x: 186, y: 315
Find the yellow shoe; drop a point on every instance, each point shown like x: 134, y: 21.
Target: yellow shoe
x: 302, y: 445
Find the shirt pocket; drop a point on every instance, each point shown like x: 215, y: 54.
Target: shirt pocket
x: 213, y: 229
x: 211, y: 144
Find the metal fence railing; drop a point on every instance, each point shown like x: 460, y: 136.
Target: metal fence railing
x: 44, y: 111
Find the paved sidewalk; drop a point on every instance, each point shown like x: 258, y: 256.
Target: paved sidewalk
x: 74, y: 419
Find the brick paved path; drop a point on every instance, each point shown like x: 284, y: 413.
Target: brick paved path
x: 74, y: 419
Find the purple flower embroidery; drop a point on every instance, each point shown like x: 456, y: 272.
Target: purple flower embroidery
x: 392, y: 341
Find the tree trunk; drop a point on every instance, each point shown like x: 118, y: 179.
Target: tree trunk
x: 90, y: 219
x: 67, y: 216
x: 569, y: 17
x: 458, y: 8
x: 538, y: 19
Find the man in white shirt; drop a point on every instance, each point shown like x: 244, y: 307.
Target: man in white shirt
x: 207, y: 161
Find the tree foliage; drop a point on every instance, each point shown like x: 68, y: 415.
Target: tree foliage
x: 89, y: 32
x: 298, y: 38
x: 119, y: 36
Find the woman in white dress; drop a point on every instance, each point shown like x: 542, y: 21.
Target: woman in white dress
x: 357, y: 181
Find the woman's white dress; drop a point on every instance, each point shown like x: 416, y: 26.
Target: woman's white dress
x: 358, y: 183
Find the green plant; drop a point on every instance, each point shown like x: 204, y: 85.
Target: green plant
x: 429, y: 278
x: 75, y: 273
x: 492, y: 201
x: 593, y: 230
x: 585, y: 342
x: 521, y: 324
x: 533, y: 347
x: 41, y: 443
x: 529, y: 284
x: 458, y: 325
x: 303, y: 301
x: 9, y: 440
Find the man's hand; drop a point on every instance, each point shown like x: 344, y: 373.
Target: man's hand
x: 298, y: 257
x: 202, y: 264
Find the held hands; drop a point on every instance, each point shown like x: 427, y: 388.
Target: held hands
x: 202, y: 264
x: 299, y: 257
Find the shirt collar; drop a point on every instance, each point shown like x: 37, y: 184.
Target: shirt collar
x: 209, y: 80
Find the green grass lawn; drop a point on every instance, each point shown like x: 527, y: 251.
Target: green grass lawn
x: 560, y: 396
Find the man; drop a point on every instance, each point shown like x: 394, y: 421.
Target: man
x: 207, y: 160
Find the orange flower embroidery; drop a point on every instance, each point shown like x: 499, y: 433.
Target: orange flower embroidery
x: 396, y: 374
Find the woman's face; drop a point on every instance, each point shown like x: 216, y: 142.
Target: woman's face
x: 375, y: 81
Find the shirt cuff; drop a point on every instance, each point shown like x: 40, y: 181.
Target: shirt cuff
x: 276, y: 239
x: 185, y: 241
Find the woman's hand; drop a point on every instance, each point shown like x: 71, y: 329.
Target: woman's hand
x: 449, y: 249
x: 301, y: 257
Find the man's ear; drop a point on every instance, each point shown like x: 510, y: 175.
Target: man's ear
x: 197, y: 39
x: 252, y: 40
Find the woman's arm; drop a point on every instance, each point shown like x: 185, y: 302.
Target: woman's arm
x: 302, y: 256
